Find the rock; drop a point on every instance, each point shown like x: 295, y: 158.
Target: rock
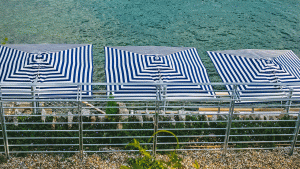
x: 101, y: 118
x: 86, y: 112
x: 277, y: 158
x: 122, y: 110
x: 140, y: 119
x: 70, y: 119
x: 131, y: 112
x: 272, y: 117
x: 172, y: 118
x: 43, y: 118
x: 93, y: 118
x: 181, y: 116
x: 119, y: 126
x: 15, y: 118
x: 148, y: 116
x: 54, y: 121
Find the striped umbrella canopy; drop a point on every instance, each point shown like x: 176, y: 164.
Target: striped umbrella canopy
x: 176, y: 66
x: 258, y: 66
x: 47, y: 64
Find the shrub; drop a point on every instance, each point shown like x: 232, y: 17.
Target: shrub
x: 147, y: 161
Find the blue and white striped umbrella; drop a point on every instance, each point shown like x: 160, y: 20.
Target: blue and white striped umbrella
x: 46, y: 63
x: 258, y: 66
x: 150, y: 64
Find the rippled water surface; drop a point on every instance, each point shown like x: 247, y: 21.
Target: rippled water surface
x: 204, y: 24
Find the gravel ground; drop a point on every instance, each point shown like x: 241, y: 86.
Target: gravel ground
x: 207, y: 159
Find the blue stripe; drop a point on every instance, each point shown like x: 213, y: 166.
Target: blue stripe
x: 240, y: 69
x: 181, y: 67
x: 24, y: 67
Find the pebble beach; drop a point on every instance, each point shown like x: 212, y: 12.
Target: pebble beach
x: 277, y: 158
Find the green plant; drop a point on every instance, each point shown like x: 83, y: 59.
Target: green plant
x: 112, y: 108
x: 150, y: 162
x: 196, y: 165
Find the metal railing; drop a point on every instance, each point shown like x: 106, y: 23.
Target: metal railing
x: 42, y: 118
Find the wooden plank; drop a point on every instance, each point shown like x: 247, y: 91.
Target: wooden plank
x: 224, y: 109
x: 222, y: 93
x: 268, y: 109
x: 92, y: 106
x: 213, y: 109
x: 295, y: 109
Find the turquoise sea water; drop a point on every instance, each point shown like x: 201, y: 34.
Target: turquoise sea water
x: 204, y: 24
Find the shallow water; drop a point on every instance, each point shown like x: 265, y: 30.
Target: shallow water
x: 206, y: 25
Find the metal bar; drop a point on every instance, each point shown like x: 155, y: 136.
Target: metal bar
x: 262, y: 120
x: 182, y: 136
x: 33, y: 98
x: 41, y: 145
x: 42, y: 122
x: 41, y: 130
x: 152, y: 105
x: 180, y: 129
x: 117, y: 137
x: 249, y: 135
x: 199, y: 136
x: 111, y: 151
x: 260, y: 148
x: 143, y: 84
x: 44, y: 151
x: 219, y: 106
x: 80, y: 121
x: 231, y: 109
x: 94, y: 130
x: 204, y: 149
x: 3, y: 126
x: 41, y: 138
x: 289, y: 100
x: 249, y: 128
x: 156, y: 118
x: 120, y: 144
x: 191, y: 121
x: 296, y: 132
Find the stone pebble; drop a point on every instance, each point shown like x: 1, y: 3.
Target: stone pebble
x: 277, y: 158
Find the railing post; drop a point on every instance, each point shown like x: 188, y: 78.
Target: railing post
x: 230, y: 115
x: 33, y: 87
x: 295, y: 134
x: 156, y: 117
x: 289, y: 102
x: 219, y: 105
x: 80, y: 119
x: 164, y: 91
x: 3, y: 126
